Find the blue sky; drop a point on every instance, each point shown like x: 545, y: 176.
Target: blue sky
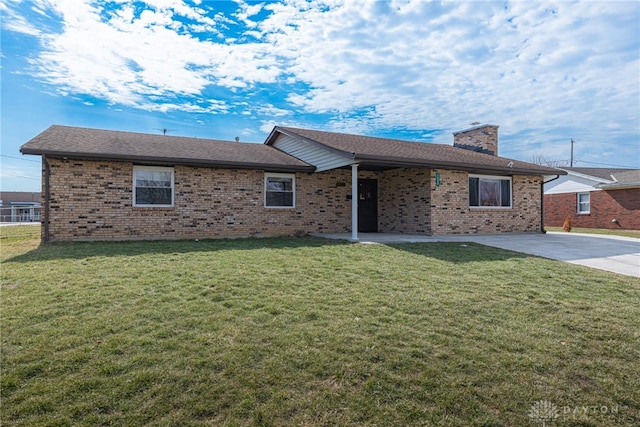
x: 545, y: 72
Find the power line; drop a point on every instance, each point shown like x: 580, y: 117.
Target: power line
x: 626, y: 145
x: 17, y: 175
x: 543, y: 144
x: 20, y: 158
x: 606, y: 164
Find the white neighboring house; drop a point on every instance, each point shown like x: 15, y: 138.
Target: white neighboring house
x: 595, y: 198
x: 19, y: 206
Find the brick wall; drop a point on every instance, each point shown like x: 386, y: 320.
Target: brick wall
x: 483, y: 139
x: 403, y: 200
x: 410, y: 202
x: 623, y: 205
x: 451, y: 213
x: 92, y: 200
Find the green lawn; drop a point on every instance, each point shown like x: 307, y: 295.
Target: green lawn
x: 302, y: 331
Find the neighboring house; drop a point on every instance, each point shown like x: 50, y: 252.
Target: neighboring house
x: 595, y: 198
x: 19, y: 206
x: 100, y: 184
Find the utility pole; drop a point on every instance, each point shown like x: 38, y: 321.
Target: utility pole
x: 572, y: 152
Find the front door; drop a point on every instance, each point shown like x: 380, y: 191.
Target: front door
x: 367, y: 205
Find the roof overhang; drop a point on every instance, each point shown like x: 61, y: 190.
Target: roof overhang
x: 155, y: 160
x: 619, y: 186
x: 382, y: 163
x: 589, y: 177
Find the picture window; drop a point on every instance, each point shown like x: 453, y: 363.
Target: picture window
x: 489, y: 192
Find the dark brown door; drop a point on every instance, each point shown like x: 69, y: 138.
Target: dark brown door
x: 367, y: 205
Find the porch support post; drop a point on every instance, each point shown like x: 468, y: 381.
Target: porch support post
x: 354, y: 202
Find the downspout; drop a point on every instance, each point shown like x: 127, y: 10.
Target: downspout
x: 542, y: 203
x: 45, y: 214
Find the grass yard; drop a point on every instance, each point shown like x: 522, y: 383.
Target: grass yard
x: 302, y: 331
x: 625, y: 233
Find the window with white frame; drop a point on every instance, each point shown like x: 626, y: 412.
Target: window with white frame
x: 152, y: 186
x: 584, y: 203
x: 279, y: 190
x: 489, y: 191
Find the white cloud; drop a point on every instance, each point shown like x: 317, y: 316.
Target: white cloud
x: 247, y: 11
x: 271, y: 111
x: 444, y: 65
x: 126, y: 58
x: 267, y: 125
x: 13, y: 21
x: 535, y: 68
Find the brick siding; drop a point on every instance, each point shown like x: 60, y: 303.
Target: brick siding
x: 410, y: 202
x: 483, y: 139
x: 92, y: 200
x: 451, y: 213
x: 623, y: 205
x: 403, y: 200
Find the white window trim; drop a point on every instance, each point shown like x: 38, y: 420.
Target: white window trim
x: 493, y: 177
x: 578, y: 203
x: 268, y: 175
x: 154, y: 168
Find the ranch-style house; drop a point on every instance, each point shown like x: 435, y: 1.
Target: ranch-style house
x: 113, y: 185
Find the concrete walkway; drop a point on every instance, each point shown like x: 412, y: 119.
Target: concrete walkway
x: 611, y: 253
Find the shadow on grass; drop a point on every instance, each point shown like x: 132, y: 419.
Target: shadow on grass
x: 458, y: 253
x: 80, y: 250
x: 453, y: 252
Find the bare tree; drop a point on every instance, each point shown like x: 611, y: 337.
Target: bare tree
x: 541, y: 159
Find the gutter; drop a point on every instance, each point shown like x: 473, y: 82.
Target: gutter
x: 619, y: 186
x: 542, y: 203
x: 155, y: 160
x: 366, y: 159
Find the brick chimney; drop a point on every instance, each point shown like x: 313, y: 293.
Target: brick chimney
x: 482, y: 138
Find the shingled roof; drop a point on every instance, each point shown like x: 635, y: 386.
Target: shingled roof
x: 611, y: 178
x: 84, y: 143
x: 610, y: 174
x: 371, y: 152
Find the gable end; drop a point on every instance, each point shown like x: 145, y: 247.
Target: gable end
x: 314, y: 154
